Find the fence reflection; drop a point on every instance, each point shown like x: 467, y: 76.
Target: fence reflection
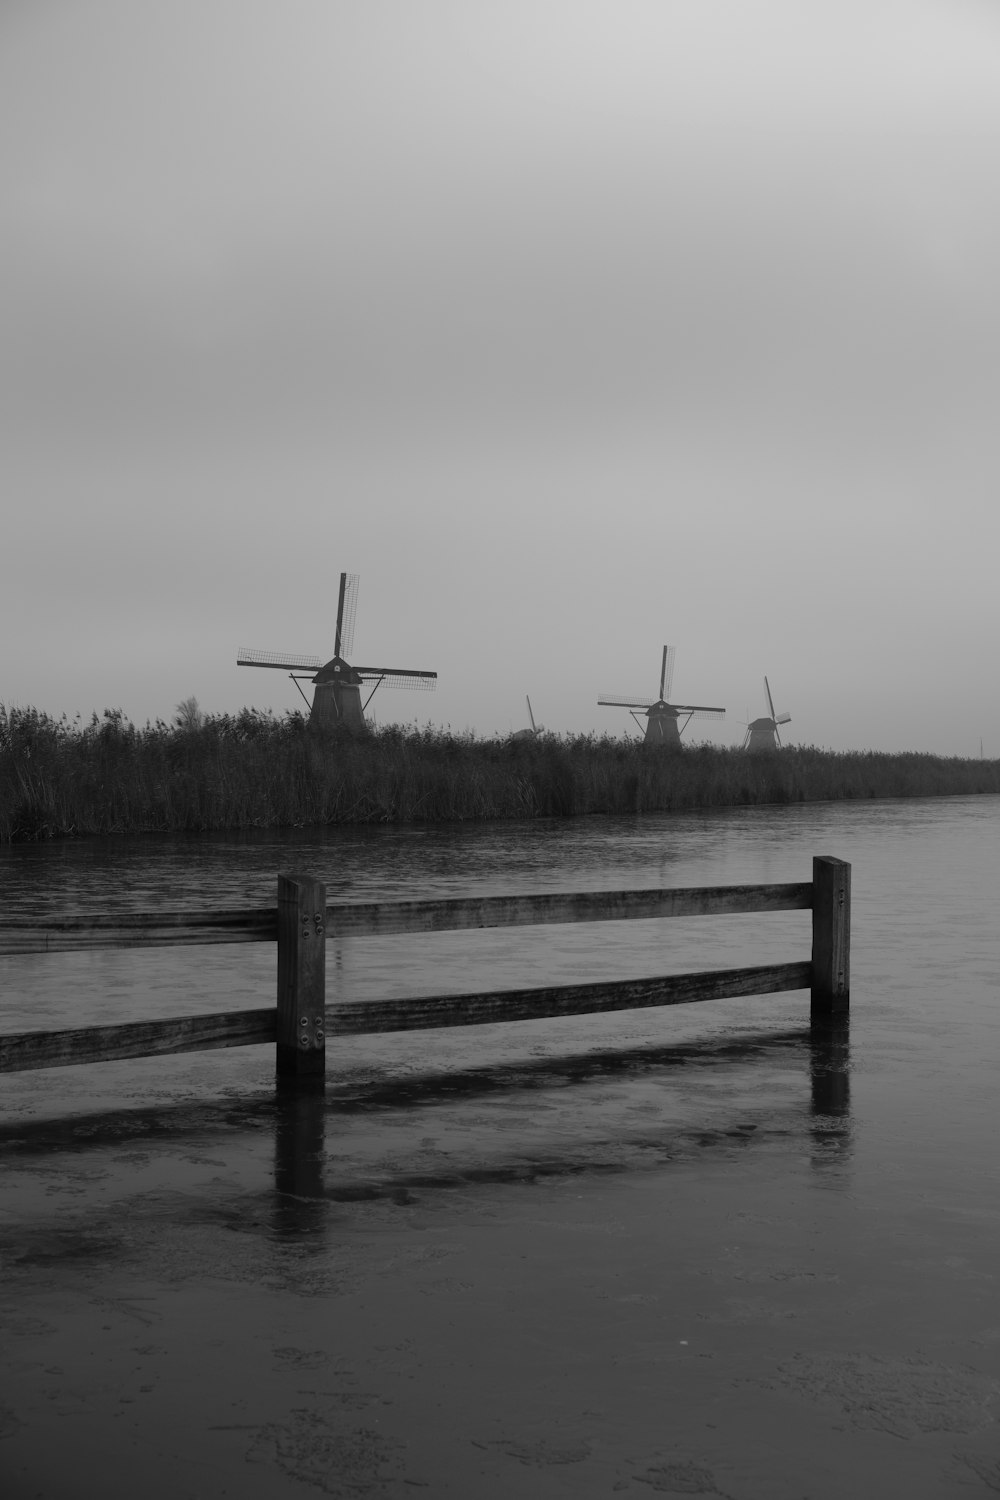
x: 304, y: 1191
x: 830, y: 1079
x: 299, y: 1150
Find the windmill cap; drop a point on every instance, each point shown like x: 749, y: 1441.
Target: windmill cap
x: 337, y: 670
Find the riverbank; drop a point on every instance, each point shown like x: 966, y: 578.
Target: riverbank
x: 61, y: 778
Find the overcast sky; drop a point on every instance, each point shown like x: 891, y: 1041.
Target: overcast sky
x: 575, y: 327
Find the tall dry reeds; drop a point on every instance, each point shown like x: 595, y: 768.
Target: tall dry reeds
x: 61, y: 777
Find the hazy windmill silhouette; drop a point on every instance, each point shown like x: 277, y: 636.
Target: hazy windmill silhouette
x: 337, y: 685
x: 528, y: 734
x: 762, y: 734
x: 662, y: 727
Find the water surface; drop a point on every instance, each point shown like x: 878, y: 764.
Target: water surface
x: 697, y: 1251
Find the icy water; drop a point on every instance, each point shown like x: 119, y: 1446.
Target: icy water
x: 696, y: 1252
x: 925, y: 953
x: 926, y: 877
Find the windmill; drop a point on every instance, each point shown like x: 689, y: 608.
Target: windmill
x: 662, y: 727
x: 536, y: 729
x: 762, y: 734
x: 337, y: 686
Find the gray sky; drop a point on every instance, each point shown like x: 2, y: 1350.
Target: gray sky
x: 574, y: 326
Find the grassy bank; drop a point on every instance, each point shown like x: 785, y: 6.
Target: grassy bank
x: 60, y: 778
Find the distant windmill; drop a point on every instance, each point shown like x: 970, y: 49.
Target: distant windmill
x: 336, y: 700
x: 662, y: 727
x: 762, y: 734
x: 528, y: 734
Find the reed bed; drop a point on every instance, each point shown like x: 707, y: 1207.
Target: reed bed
x: 60, y: 777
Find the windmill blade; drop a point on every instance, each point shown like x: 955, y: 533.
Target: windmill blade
x: 783, y: 719
x: 667, y: 672
x: 624, y: 700
x: 291, y: 660
x: 698, y: 712
x: 770, y: 700
x: 347, y: 606
x: 530, y: 714
x: 671, y: 654
x: 398, y: 677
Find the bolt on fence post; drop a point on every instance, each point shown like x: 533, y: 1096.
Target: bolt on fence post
x: 831, y: 937
x: 301, y: 1033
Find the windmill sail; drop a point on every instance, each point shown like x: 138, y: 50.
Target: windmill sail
x: 347, y: 608
x: 667, y: 672
x: 533, y: 732
x: 292, y: 661
x: 778, y: 718
x: 398, y: 677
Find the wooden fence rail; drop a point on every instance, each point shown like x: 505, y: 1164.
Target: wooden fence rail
x: 303, y: 921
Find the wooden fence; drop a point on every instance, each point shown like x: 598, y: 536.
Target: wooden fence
x: 302, y: 921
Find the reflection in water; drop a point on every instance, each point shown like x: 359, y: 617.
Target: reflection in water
x: 553, y: 1071
x: 829, y: 1071
x: 299, y: 1143
x: 397, y: 1133
x: 481, y: 1132
x: 371, y: 863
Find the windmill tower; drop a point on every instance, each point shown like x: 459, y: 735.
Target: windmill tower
x: 762, y: 734
x: 536, y: 729
x: 337, y: 685
x: 662, y: 727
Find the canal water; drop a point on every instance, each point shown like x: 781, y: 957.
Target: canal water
x: 925, y: 952
x: 812, y: 1220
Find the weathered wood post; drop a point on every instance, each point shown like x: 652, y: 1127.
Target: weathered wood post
x: 301, y: 977
x: 831, y: 937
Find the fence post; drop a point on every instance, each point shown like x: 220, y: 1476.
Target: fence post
x: 301, y: 976
x: 831, y: 936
